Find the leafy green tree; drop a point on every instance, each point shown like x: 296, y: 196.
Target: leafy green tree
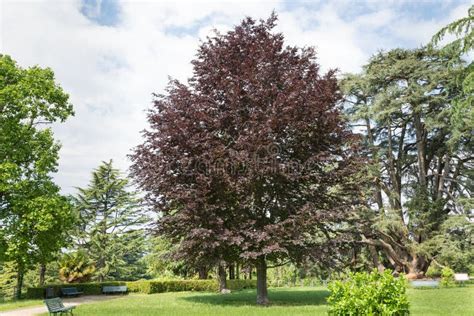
x: 160, y: 261
x: 7, y: 279
x: 451, y: 245
x: 42, y: 274
x: 111, y: 223
x: 421, y: 165
x: 34, y: 217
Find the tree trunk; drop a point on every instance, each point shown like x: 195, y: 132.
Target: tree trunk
x: 420, y: 146
x: 231, y: 271
x: 42, y: 273
x: 417, y: 267
x: 100, y: 278
x: 354, y: 257
x: 395, y: 199
x: 444, y: 175
x: 375, y: 258
x: 202, y: 273
x: 237, y: 271
x: 378, y: 191
x: 262, y: 291
x: 222, y: 278
x: 19, y: 283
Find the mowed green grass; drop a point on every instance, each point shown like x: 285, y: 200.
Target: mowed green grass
x: 285, y: 301
x: 9, y: 305
x: 450, y: 301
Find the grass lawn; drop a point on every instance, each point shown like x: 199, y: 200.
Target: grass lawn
x: 453, y: 301
x: 285, y: 301
x: 9, y: 305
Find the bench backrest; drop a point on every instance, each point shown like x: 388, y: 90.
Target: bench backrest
x: 69, y: 290
x: 421, y: 283
x: 54, y: 304
x: 118, y: 288
x: 461, y: 277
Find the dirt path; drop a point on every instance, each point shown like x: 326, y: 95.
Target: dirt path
x: 30, y: 311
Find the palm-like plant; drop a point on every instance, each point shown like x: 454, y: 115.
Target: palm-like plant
x: 75, y: 267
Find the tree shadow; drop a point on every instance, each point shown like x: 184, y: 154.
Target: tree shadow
x: 278, y: 297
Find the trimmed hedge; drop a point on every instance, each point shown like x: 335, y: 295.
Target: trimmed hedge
x: 147, y: 286
x: 87, y: 288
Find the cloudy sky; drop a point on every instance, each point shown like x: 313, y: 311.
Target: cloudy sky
x: 110, y: 56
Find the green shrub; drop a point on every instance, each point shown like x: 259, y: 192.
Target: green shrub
x: 160, y: 286
x: 369, y: 294
x: 237, y: 285
x: 87, y: 288
x: 447, y: 277
x: 148, y: 286
x: 433, y: 272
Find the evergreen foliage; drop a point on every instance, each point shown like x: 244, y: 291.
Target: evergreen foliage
x: 111, y: 229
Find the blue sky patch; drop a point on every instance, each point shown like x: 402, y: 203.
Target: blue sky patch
x: 102, y: 12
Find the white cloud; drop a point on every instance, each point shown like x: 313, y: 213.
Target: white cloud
x: 419, y: 31
x: 111, y: 71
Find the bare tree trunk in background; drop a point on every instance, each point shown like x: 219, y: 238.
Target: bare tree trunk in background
x: 222, y: 275
x: 203, y: 273
x: 420, y: 146
x: 378, y: 191
x: 19, y: 283
x: 231, y: 271
x: 375, y: 258
x: 42, y: 273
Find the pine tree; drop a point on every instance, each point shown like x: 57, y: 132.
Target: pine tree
x: 403, y: 106
x: 111, y: 223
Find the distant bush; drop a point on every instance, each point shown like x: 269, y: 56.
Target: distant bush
x: 433, y: 272
x: 369, y: 294
x: 447, y: 277
x: 159, y: 286
x: 147, y: 286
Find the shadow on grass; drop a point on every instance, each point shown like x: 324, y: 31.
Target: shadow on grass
x: 279, y: 297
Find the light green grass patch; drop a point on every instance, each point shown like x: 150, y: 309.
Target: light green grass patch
x: 14, y: 304
x: 443, y: 301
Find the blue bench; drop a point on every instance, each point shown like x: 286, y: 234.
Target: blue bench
x: 122, y: 289
x: 70, y: 291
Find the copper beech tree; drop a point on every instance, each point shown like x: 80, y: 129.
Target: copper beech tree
x: 251, y: 158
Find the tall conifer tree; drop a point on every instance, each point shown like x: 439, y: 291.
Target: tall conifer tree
x: 111, y: 223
